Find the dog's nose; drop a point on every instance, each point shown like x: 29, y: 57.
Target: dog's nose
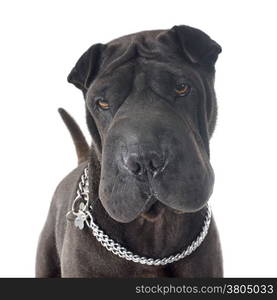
x: 139, y: 165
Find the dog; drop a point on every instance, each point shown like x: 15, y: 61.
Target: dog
x: 151, y: 110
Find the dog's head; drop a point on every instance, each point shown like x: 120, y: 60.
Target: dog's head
x: 151, y: 110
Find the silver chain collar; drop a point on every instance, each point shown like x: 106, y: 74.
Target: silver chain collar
x: 82, y: 211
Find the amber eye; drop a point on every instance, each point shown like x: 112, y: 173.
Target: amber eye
x: 103, y: 104
x: 182, y: 89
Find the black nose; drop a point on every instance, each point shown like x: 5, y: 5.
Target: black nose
x: 139, y: 165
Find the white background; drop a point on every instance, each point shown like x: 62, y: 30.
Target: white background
x: 40, y: 43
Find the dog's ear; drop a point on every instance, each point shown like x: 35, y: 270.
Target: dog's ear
x: 196, y: 45
x: 82, y: 75
x: 86, y: 68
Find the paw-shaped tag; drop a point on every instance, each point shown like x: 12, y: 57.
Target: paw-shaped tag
x: 79, y: 221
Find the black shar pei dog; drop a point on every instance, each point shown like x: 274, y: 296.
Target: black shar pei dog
x: 136, y: 206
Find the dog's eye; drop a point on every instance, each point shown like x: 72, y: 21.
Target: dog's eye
x: 182, y: 89
x: 103, y: 104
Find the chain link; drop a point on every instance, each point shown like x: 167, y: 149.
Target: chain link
x: 82, y: 209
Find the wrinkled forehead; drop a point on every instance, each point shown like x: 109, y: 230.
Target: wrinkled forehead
x: 144, y: 52
x: 145, y: 40
x: 146, y: 44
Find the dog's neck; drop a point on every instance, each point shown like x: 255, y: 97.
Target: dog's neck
x: 167, y: 234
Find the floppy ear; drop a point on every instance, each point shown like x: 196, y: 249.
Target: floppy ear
x: 86, y: 68
x: 82, y: 75
x: 196, y: 45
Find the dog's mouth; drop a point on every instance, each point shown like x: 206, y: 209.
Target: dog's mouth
x: 154, y: 210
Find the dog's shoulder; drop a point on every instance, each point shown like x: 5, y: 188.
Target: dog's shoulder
x: 61, y: 204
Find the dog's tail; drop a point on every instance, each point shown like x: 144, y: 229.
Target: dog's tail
x: 81, y: 145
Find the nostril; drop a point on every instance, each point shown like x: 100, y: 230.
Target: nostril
x: 134, y: 166
x: 136, y: 169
